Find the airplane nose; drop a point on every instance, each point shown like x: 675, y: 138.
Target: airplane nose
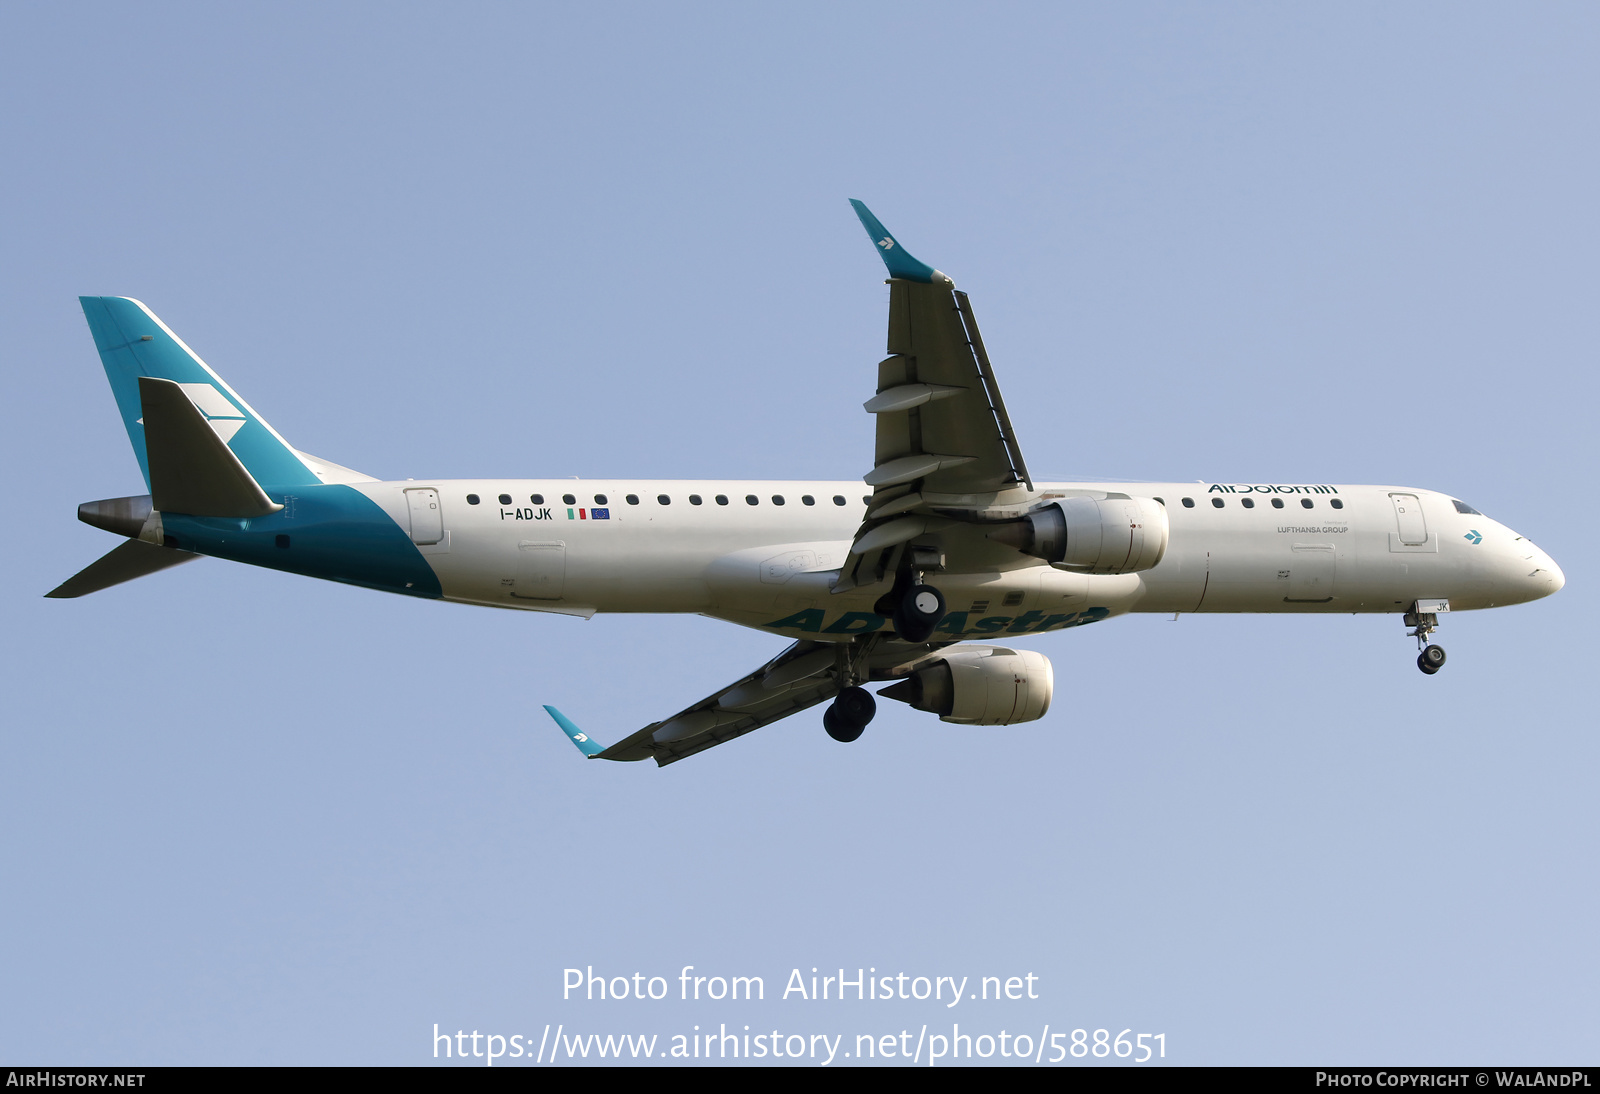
x: 1522, y: 572
x: 1557, y: 579
x: 1542, y: 576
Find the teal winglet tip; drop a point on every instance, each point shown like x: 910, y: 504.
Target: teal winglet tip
x: 900, y: 263
x: 586, y: 744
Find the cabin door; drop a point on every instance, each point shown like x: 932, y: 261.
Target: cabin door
x: 427, y: 521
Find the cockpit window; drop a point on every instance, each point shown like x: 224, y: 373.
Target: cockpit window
x: 1464, y: 508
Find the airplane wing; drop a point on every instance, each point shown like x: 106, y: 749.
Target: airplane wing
x: 797, y: 678
x: 794, y: 680
x: 944, y: 440
x: 943, y: 433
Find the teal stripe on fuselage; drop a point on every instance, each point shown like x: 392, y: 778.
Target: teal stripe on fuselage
x: 333, y: 532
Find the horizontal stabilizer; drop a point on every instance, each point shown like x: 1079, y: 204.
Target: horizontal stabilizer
x: 132, y: 559
x: 192, y: 470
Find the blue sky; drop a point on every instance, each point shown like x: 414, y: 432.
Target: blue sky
x: 252, y: 818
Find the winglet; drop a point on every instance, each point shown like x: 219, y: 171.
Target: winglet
x: 894, y: 256
x: 586, y: 744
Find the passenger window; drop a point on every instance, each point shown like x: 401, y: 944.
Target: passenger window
x: 1188, y: 503
x: 568, y: 499
x: 838, y: 499
x: 663, y: 499
x: 1248, y: 503
x: 537, y: 499
x: 1277, y: 503
x: 632, y: 499
x: 722, y: 499
x: 777, y: 499
x: 1163, y: 502
x: 1305, y: 503
x: 694, y: 499
x: 505, y: 499
x: 600, y: 499
x: 807, y: 499
x: 1336, y: 503
x: 1217, y: 502
x: 472, y: 499
x: 751, y: 499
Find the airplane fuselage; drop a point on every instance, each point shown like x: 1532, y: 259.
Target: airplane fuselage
x: 765, y: 554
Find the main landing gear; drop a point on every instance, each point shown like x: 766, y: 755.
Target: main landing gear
x: 918, y: 612
x: 1430, y: 659
x: 854, y: 706
x: 849, y: 714
x: 916, y: 609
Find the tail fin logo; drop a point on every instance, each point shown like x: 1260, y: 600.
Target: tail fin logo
x: 887, y: 243
x: 221, y: 414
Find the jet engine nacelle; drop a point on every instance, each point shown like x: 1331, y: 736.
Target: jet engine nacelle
x: 1112, y: 535
x: 980, y: 686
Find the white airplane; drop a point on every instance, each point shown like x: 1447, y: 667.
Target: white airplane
x: 951, y: 541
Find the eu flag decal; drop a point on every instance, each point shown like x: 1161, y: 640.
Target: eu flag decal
x: 599, y: 514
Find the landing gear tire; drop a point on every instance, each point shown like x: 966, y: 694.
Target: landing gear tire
x: 918, y: 613
x: 1431, y: 659
x: 842, y: 733
x: 849, y: 714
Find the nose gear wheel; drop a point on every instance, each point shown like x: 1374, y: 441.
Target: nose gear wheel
x: 1430, y: 658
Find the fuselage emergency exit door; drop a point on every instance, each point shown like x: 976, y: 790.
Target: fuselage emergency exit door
x: 427, y: 520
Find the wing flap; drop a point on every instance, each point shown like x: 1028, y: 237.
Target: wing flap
x: 934, y: 346
x: 790, y: 700
x: 794, y: 680
x: 800, y: 677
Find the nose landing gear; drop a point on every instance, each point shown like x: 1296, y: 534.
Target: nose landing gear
x: 1430, y: 658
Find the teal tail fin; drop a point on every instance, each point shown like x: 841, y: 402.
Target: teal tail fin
x: 133, y: 343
